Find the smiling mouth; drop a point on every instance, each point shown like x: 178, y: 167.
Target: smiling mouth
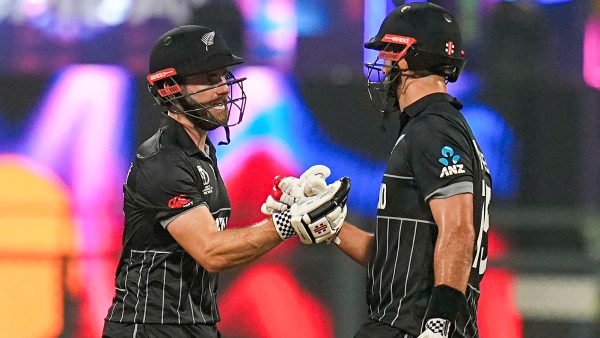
x: 219, y: 105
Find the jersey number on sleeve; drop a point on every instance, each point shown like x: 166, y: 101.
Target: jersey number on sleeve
x: 382, y: 197
x: 479, y: 261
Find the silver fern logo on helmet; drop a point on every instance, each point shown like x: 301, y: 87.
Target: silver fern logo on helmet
x: 208, y: 39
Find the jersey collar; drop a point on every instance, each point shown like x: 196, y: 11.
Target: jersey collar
x: 176, y: 130
x: 421, y: 104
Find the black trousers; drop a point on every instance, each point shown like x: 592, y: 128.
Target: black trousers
x: 376, y: 329
x: 130, y: 330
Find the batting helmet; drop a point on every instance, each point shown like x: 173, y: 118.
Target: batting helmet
x: 426, y: 36
x: 190, y: 50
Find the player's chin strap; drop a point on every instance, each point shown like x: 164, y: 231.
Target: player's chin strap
x: 227, y: 140
x: 391, y: 104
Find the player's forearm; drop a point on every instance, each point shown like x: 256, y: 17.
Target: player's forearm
x: 356, y: 243
x: 235, y: 247
x: 453, y: 253
x: 453, y: 257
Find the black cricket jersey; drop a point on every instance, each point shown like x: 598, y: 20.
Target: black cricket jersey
x: 435, y: 156
x: 157, y: 281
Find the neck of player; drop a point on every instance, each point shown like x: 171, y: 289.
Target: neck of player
x: 412, y: 89
x: 197, y: 135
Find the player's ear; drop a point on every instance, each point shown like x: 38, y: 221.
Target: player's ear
x: 402, y: 64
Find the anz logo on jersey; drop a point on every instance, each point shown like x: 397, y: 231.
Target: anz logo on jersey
x: 450, y: 169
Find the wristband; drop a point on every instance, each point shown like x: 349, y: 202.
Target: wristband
x: 283, y: 225
x: 445, y: 303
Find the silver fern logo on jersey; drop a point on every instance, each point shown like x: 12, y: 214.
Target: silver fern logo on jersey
x: 208, y: 39
x: 450, y: 162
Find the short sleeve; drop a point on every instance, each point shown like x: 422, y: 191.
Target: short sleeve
x: 168, y: 183
x: 439, y: 156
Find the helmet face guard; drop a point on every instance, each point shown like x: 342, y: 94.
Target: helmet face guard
x: 383, y: 79
x: 172, y: 94
x: 188, y: 51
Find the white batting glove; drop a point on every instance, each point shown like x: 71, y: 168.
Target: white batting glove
x: 318, y: 218
x: 337, y: 226
x: 310, y: 183
x: 290, y: 190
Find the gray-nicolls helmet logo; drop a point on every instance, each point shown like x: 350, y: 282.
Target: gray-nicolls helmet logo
x: 208, y: 39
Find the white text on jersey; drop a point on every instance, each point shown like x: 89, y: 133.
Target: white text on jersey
x: 452, y: 170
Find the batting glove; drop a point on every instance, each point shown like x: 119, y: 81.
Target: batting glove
x: 436, y: 328
x: 318, y: 218
x: 290, y: 190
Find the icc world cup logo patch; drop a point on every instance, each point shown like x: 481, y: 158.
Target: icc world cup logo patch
x: 205, y: 181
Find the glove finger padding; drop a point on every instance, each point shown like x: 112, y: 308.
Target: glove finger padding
x: 317, y: 170
x: 290, y: 190
x: 314, y: 185
x: 310, y: 183
x: 296, y: 190
x: 272, y: 205
x: 278, y: 200
x: 317, y: 219
x: 337, y: 220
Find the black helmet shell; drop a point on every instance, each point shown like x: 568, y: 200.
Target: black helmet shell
x: 439, y: 44
x: 190, y: 50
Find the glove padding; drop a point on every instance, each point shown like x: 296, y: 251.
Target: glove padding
x: 436, y: 328
x: 320, y: 218
x: 290, y: 190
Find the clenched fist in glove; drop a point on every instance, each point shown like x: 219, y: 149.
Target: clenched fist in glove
x: 317, y: 218
x: 290, y: 190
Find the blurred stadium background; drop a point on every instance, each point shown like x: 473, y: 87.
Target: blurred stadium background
x: 74, y: 107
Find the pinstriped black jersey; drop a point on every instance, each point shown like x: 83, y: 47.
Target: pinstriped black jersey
x: 157, y: 281
x: 436, y: 156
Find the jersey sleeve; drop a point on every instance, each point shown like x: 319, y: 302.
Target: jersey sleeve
x: 439, y: 156
x: 168, y: 184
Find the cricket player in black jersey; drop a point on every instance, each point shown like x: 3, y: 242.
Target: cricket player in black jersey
x: 176, y: 204
x: 428, y: 253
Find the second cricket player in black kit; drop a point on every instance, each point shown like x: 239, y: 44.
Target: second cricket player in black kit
x: 425, y: 166
x: 427, y: 255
